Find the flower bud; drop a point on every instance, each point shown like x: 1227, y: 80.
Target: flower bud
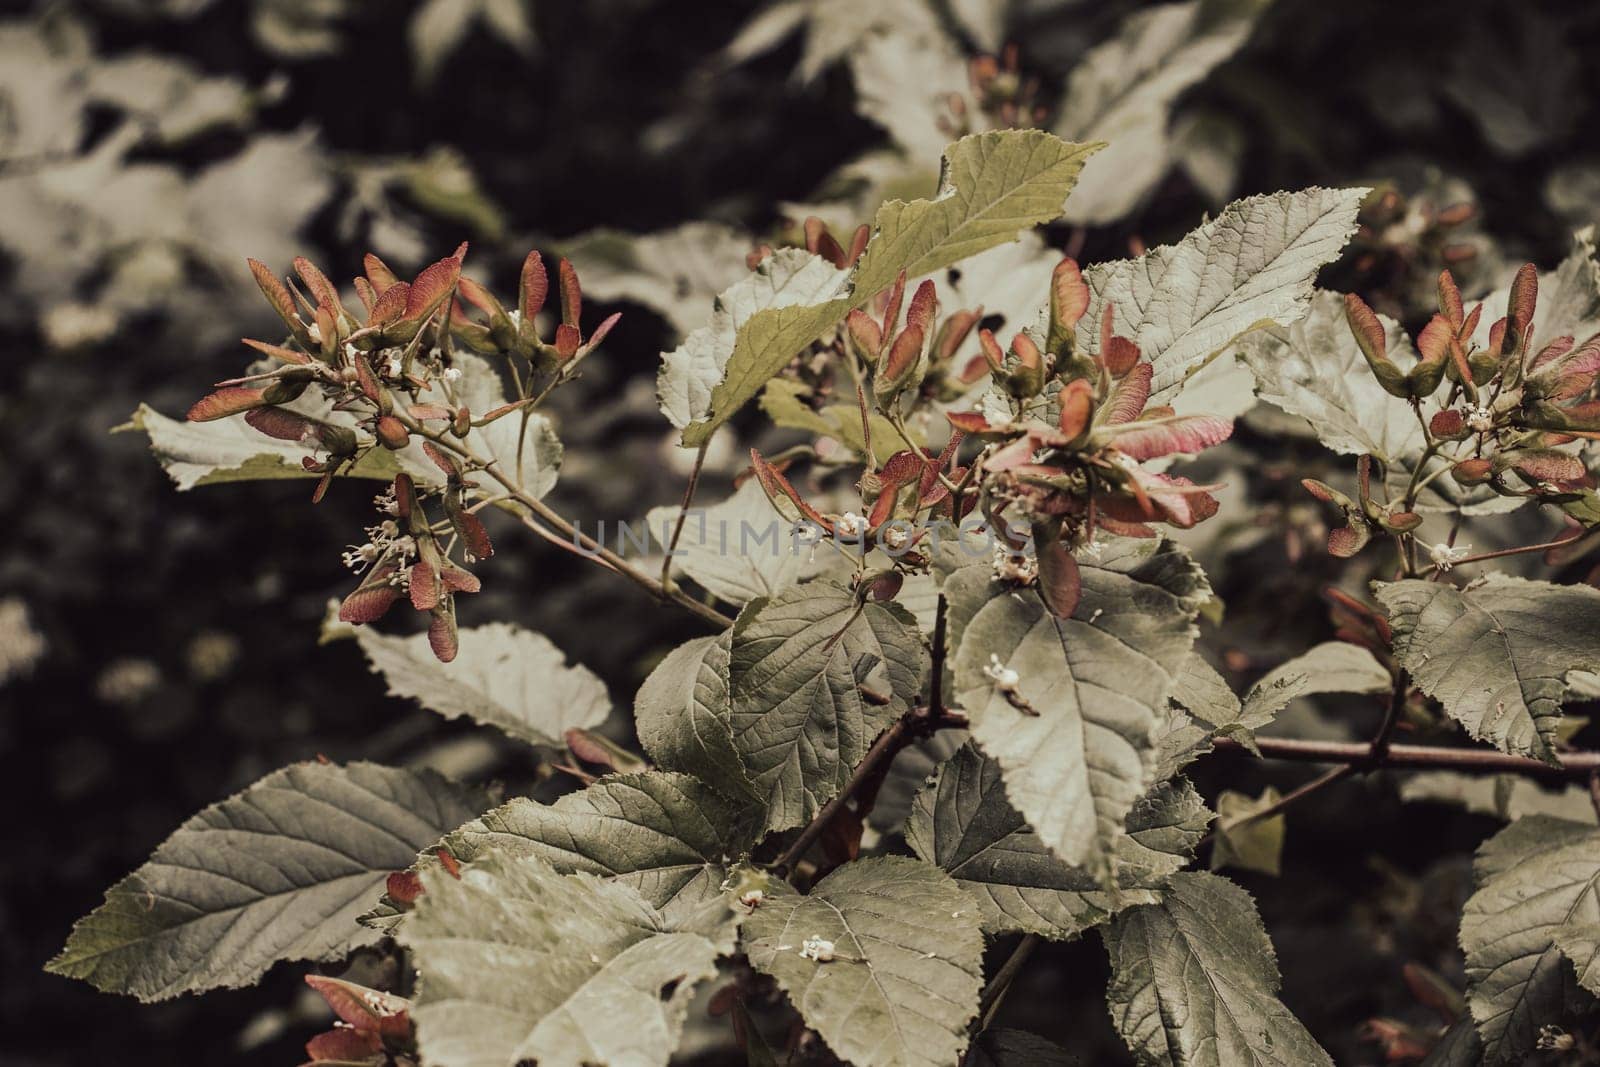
x: 391, y: 433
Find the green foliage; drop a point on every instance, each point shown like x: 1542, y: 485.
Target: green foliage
x: 864, y: 966
x: 277, y: 872
x: 1194, y: 981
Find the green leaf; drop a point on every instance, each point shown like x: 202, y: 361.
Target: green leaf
x: 1580, y: 943
x: 1459, y: 1047
x: 685, y: 718
x: 907, y: 966
x: 1194, y: 981
x: 669, y: 836
x: 1245, y: 844
x: 1122, y: 91
x: 1537, y: 880
x: 677, y: 272
x: 1076, y: 741
x: 518, y: 962
x: 993, y: 186
x: 1497, y: 654
x: 229, y: 450
x: 504, y: 676
x: 1004, y: 1047
x: 962, y: 823
x: 1331, y: 667
x: 1250, y: 266
x: 277, y: 872
x: 1204, y: 693
x: 1314, y: 368
x: 1502, y: 796
x: 738, y: 550
x: 800, y: 723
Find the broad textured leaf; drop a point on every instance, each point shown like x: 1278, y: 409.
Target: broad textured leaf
x: 1204, y: 693
x: 1251, y: 265
x: 739, y: 549
x: 1459, y: 1047
x: 669, y: 836
x: 1537, y: 880
x: 908, y: 960
x: 519, y: 962
x: 993, y: 186
x: 1122, y: 92
x: 1001, y: 1046
x: 684, y: 716
x: 1497, y: 654
x: 1331, y: 667
x: 508, y: 439
x: 1081, y: 748
x: 1314, y: 369
x: 797, y: 663
x: 1580, y: 943
x: 504, y: 676
x: 678, y: 272
x: 1194, y: 981
x: 277, y: 872
x: 962, y: 823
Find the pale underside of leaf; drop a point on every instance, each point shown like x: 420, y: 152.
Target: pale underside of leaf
x: 1251, y: 265
x: 1314, y: 369
x: 908, y: 960
x: 1497, y: 654
x: 1538, y: 884
x: 962, y: 822
x: 1331, y: 667
x: 1122, y: 92
x: 1194, y: 981
x: 277, y: 872
x: 518, y: 962
x: 738, y: 549
x: 503, y: 676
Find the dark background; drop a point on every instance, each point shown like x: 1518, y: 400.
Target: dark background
x: 181, y: 659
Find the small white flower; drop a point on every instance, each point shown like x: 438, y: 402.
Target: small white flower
x: 1444, y: 556
x: 895, y: 537
x: 816, y: 948
x: 851, y: 525
x: 1004, y: 678
x: 358, y: 556
x: 1480, y: 419
x: 386, y: 503
x: 452, y: 374
x: 1010, y: 567
x: 751, y: 899
x: 393, y: 365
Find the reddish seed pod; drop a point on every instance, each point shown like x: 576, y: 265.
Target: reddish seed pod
x: 392, y: 433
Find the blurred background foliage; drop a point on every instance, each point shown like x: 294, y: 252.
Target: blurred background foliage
x: 159, y: 651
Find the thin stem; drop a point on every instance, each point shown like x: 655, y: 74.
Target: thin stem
x: 1502, y: 553
x: 995, y: 992
x: 1320, y: 782
x: 683, y: 513
x: 1436, y: 757
x: 592, y: 549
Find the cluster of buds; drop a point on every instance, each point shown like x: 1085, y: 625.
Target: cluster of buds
x: 1001, y: 93
x: 1402, y: 240
x: 373, y: 1027
x: 1073, y: 463
x: 392, y: 375
x: 410, y: 562
x: 1362, y: 515
x: 1508, y: 409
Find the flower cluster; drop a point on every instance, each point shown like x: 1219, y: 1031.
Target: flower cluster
x: 387, y: 378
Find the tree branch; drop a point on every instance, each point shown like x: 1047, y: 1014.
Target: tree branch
x: 1574, y: 765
